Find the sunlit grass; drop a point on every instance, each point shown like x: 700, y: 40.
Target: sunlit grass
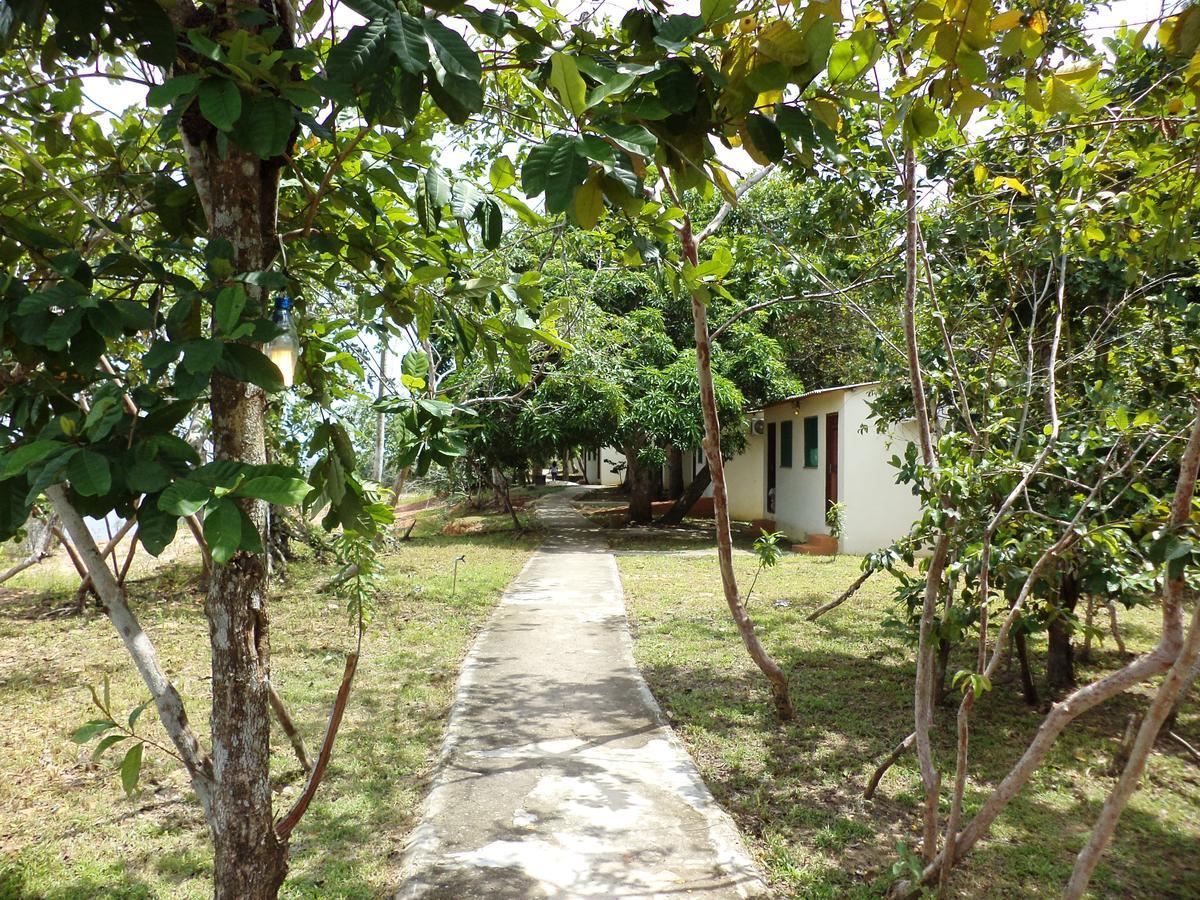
x: 67, y: 829
x: 796, y: 791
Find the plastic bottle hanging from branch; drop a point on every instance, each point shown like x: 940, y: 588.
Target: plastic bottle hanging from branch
x: 284, y: 349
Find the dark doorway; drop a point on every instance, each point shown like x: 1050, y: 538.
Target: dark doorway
x: 771, y: 467
x: 831, y: 460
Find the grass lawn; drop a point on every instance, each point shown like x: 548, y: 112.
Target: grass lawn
x: 796, y: 791
x: 66, y: 827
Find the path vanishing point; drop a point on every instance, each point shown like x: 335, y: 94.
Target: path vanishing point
x: 559, y: 776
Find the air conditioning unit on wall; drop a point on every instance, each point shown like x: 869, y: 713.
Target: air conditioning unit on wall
x: 758, y: 426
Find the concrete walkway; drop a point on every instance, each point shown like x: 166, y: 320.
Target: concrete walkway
x: 559, y: 776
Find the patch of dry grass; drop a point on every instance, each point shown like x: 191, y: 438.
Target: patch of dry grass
x: 796, y: 791
x: 67, y: 829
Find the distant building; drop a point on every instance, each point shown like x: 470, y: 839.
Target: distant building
x: 807, y: 452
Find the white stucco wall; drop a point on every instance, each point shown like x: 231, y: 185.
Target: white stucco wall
x: 745, y: 477
x: 609, y: 457
x: 878, y: 510
x: 800, y: 491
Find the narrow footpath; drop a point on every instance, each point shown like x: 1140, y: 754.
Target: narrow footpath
x: 559, y: 776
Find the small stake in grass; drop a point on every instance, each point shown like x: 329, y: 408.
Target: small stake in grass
x: 454, y: 580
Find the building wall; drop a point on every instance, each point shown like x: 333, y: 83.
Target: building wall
x: 609, y: 457
x: 800, y: 491
x: 878, y: 510
x: 745, y: 477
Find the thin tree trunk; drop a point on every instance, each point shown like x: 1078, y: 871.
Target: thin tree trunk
x: 1157, y: 661
x: 43, y: 549
x: 687, y: 500
x: 166, y: 699
x: 1177, y: 708
x: 841, y: 598
x: 716, y: 465
x: 1060, y: 655
x: 380, y: 418
x: 1164, y: 698
x: 1028, y: 688
x: 284, y: 718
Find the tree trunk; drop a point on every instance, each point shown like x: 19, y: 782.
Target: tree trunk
x: 380, y: 418
x: 1177, y: 708
x: 687, y: 500
x: 716, y: 465
x: 239, y: 193
x: 1060, y: 656
x: 641, y: 489
x: 1028, y: 688
x: 674, y: 473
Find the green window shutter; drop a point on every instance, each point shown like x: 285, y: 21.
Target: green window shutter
x: 810, y: 442
x: 785, y: 445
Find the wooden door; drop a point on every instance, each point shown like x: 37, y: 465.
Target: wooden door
x: 831, y: 460
x: 771, y: 454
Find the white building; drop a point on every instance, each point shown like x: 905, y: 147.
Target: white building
x: 813, y: 450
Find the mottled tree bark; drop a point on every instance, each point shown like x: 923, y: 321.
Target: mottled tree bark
x: 641, y: 488
x: 239, y: 194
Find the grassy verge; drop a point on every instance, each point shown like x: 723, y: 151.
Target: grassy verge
x: 796, y: 791
x: 68, y: 831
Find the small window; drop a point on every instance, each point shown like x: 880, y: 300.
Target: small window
x: 785, y: 445
x: 810, y: 442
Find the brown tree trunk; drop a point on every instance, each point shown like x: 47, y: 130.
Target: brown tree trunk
x: 641, y: 489
x: 687, y: 500
x: 674, y: 473
x: 1028, y: 688
x: 716, y: 465
x: 1060, y: 655
x: 239, y: 193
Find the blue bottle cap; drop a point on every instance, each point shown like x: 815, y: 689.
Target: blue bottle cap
x: 283, y: 302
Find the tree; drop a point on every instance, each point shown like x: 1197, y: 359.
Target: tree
x: 169, y: 274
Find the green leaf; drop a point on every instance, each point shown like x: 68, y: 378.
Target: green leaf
x: 131, y: 768
x: 245, y: 363
x: 199, y: 357
x: 107, y: 742
x: 25, y: 456
x: 184, y: 498
x: 555, y: 168
x: 137, y: 711
x: 634, y: 139
x: 228, y: 308
x: 156, y: 528
x: 568, y: 84
x: 275, y: 489
x: 853, y: 56
x: 89, y: 474
x: 765, y: 137
x: 85, y: 733
x: 363, y: 50
x: 716, y: 10
x: 223, y: 530
x: 265, y: 126
x: 491, y: 223
x: 406, y: 39
x: 220, y: 102
x: 454, y: 53
x: 164, y: 94
x: 502, y: 175
x: 415, y: 364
